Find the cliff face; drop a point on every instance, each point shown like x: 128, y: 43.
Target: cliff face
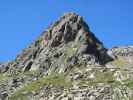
x: 68, y: 62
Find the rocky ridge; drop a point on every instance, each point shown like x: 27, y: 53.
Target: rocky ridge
x: 68, y: 62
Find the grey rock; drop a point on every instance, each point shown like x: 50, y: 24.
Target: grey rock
x: 123, y: 51
x: 4, y: 67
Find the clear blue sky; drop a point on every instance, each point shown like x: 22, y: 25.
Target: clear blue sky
x: 21, y: 21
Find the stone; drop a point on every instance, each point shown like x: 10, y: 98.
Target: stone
x: 4, y: 67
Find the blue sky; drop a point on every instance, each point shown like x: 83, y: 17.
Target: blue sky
x: 22, y: 21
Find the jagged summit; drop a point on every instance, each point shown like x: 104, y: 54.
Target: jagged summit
x: 71, y: 27
x: 69, y: 33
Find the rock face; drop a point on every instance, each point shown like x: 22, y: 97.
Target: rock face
x: 70, y: 32
x: 68, y: 62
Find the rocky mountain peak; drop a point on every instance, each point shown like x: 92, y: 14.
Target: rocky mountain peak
x: 70, y: 27
x: 70, y: 36
x: 68, y: 62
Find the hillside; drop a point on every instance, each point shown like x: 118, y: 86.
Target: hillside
x: 68, y: 62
